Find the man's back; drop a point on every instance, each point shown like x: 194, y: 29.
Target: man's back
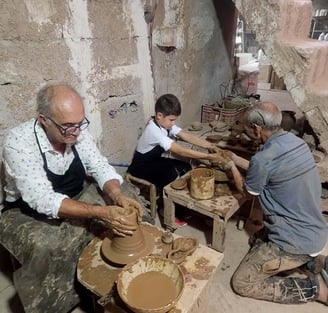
x: 289, y: 191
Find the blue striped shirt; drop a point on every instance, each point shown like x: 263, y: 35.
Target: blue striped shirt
x: 286, y: 179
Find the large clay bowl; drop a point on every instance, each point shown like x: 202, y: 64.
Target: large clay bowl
x: 150, y: 290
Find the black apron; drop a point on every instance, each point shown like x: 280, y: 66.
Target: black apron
x: 70, y: 184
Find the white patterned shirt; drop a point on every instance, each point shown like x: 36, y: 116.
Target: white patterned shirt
x: 26, y: 177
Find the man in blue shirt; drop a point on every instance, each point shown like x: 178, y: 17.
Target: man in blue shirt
x: 284, y: 177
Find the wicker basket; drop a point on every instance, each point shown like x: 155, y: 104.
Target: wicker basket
x: 213, y: 112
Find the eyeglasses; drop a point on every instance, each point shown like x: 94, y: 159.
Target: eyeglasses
x: 69, y: 130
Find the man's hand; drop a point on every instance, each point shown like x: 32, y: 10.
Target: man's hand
x: 117, y: 220
x: 126, y: 203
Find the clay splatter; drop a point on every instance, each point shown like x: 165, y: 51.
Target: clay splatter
x: 202, y: 269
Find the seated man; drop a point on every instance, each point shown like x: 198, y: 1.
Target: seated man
x: 286, y: 180
x: 46, y: 223
x: 157, y: 138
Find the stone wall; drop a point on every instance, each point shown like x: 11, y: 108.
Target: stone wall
x: 103, y: 48
x: 100, y: 47
x: 189, y: 56
x: 282, y: 28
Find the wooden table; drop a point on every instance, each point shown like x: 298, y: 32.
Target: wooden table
x: 199, y: 270
x: 220, y: 208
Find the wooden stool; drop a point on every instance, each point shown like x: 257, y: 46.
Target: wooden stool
x: 152, y: 192
x: 218, y: 208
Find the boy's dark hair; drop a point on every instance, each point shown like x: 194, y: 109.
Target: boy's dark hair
x: 168, y: 104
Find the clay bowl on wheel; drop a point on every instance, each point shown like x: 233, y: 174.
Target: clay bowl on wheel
x: 150, y: 284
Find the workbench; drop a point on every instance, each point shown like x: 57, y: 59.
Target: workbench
x: 199, y: 270
x: 207, y: 130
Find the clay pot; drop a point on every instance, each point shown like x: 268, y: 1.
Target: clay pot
x: 202, y: 183
x: 122, y: 250
x: 288, y: 120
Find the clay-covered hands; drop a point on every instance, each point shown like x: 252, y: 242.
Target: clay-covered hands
x: 117, y: 220
x: 227, y: 160
x: 221, y: 158
x: 223, y: 153
x: 127, y: 203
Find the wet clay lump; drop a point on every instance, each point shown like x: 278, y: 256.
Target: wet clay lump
x: 151, y: 290
x: 122, y: 250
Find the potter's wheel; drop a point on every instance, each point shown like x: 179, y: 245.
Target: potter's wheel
x: 115, y: 253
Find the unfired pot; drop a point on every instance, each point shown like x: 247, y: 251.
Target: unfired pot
x: 202, y: 183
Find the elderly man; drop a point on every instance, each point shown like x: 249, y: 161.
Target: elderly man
x: 285, y: 178
x: 50, y: 213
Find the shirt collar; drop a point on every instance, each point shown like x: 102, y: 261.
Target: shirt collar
x: 279, y: 133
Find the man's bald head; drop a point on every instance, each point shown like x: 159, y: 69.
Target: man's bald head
x: 53, y: 97
x: 264, y: 114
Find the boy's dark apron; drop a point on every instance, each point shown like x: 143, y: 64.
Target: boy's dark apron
x: 156, y: 169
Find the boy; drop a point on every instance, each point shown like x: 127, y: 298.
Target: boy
x: 159, y: 137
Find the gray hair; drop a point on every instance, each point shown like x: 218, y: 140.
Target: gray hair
x: 264, y: 114
x: 45, y: 97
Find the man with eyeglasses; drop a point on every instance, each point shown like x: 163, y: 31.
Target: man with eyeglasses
x: 284, y: 177
x: 50, y: 213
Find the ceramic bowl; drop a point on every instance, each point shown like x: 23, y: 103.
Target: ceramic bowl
x: 213, y: 138
x: 196, y: 125
x: 168, y: 270
x: 179, y: 184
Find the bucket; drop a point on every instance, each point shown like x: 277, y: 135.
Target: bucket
x: 202, y: 183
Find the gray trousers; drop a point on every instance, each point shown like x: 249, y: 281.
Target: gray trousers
x: 262, y: 274
x: 48, y: 251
